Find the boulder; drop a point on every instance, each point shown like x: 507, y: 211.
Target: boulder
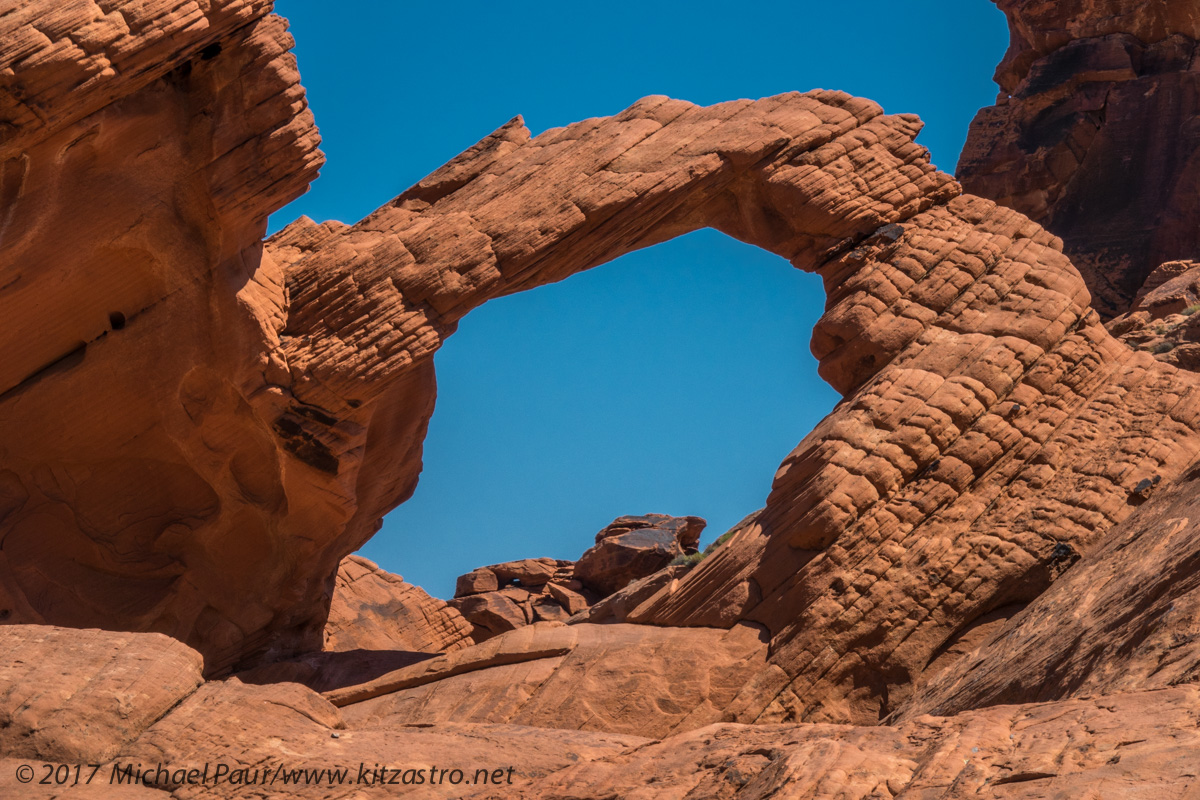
x: 631, y: 548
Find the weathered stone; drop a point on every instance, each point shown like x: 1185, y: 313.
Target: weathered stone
x: 80, y: 696
x: 375, y: 610
x: 476, y: 582
x: 492, y: 613
x: 633, y: 679
x: 570, y: 599
x: 252, y: 410
x: 632, y: 548
x: 1126, y: 618
x: 289, y: 727
x: 1093, y: 135
x: 1128, y: 746
x: 529, y: 572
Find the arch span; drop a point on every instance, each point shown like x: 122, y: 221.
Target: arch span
x: 991, y: 428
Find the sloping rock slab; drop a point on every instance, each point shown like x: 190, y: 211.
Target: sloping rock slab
x: 372, y: 609
x: 632, y: 679
x: 81, y: 695
x: 1132, y: 746
x: 264, y: 727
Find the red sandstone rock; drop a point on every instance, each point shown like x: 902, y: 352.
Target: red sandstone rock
x: 142, y: 146
x: 633, y: 679
x: 631, y: 548
x: 290, y: 725
x: 1126, y: 618
x: 375, y: 610
x: 493, y: 613
x: 1134, y: 745
x: 240, y: 438
x: 81, y: 696
x: 1092, y: 135
x: 478, y: 581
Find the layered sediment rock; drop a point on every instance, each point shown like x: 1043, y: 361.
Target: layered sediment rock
x: 634, y: 679
x: 375, y: 610
x: 1131, y: 745
x: 1126, y: 618
x: 1094, y: 135
x: 143, y: 145
x: 1120, y: 746
x: 632, y: 548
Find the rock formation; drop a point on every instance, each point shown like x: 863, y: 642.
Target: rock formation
x: 207, y: 425
x: 1118, y: 746
x: 375, y: 610
x: 504, y: 597
x: 1094, y: 135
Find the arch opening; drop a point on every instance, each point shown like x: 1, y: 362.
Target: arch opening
x: 672, y: 380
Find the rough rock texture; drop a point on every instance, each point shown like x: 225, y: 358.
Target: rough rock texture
x: 1094, y: 135
x: 634, y: 679
x: 77, y: 696
x: 1162, y: 320
x: 289, y: 725
x: 632, y: 548
x: 1134, y: 745
x: 1126, y: 618
x: 142, y: 146
x: 373, y: 609
x: 504, y: 597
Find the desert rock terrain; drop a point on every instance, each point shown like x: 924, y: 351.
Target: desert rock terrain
x: 975, y: 577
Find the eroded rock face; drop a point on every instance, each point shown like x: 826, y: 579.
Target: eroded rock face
x: 504, y: 597
x: 143, y: 146
x: 634, y: 679
x: 373, y: 609
x: 632, y: 548
x: 81, y: 696
x: 1124, y: 746
x: 1094, y: 135
x: 1126, y: 618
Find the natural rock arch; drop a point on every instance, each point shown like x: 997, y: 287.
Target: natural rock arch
x: 980, y: 446
x: 966, y: 464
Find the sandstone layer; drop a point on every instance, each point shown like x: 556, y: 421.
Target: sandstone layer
x: 1094, y: 135
x: 375, y: 610
x: 1124, y: 619
x: 207, y: 425
x: 1127, y: 745
x: 503, y: 597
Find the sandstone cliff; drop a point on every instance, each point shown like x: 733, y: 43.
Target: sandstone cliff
x: 1094, y: 135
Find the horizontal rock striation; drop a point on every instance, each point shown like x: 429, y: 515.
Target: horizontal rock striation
x: 138, y: 488
x: 375, y: 610
x: 1094, y: 135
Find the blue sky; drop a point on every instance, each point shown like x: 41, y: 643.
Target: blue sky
x: 673, y: 380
